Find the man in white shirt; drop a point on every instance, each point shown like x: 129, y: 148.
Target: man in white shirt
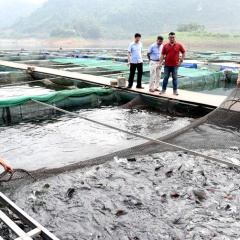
x: 154, y: 53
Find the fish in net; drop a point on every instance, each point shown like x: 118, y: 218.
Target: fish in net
x: 218, y: 129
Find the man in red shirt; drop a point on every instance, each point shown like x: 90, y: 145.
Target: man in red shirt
x: 171, y: 53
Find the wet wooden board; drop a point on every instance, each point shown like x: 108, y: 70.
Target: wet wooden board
x: 187, y: 96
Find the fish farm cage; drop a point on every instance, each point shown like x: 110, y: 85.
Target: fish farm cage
x: 32, y: 96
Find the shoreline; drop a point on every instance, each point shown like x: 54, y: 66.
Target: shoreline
x: 37, y: 44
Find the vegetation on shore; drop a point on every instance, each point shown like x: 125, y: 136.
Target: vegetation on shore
x: 203, y: 40
x: 201, y: 36
x: 106, y: 19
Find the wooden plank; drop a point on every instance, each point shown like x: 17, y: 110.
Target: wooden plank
x: 186, y: 96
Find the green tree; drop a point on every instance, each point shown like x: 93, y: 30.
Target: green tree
x: 86, y: 27
x: 62, y: 33
x: 189, y: 27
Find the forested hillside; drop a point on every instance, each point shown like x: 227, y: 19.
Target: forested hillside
x: 121, y: 18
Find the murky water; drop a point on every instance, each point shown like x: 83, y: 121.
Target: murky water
x: 63, y: 140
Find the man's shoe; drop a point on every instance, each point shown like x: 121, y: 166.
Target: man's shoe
x: 151, y: 90
x: 128, y: 87
x: 175, y: 92
x: 140, y: 87
x: 162, y: 92
x: 156, y: 89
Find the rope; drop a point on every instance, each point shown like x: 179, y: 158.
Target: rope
x: 143, y: 137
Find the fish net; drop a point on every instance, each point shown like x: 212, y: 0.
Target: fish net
x: 218, y: 129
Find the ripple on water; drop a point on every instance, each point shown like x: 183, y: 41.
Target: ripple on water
x: 58, y: 141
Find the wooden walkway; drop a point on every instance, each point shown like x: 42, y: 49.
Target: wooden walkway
x: 186, y: 96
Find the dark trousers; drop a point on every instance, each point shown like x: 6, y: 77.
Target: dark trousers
x: 133, y: 67
x: 167, y: 71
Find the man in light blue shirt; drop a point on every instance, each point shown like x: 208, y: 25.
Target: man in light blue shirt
x: 154, y: 53
x: 135, y: 60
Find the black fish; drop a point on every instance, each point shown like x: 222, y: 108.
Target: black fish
x: 70, y: 192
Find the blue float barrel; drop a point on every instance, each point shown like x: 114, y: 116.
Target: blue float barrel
x: 189, y: 65
x: 226, y: 67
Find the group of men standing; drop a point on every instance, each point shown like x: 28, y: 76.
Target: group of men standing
x: 157, y: 52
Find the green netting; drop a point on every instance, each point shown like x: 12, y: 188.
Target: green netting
x: 187, y: 82
x: 7, y: 69
x: 225, y: 57
x: 88, y: 63
x: 83, y: 61
x: 192, y: 77
x: 215, y: 56
x: 193, y: 72
x: 123, y: 66
x: 29, y: 57
x: 187, y: 76
x: 106, y: 64
x: 55, y: 96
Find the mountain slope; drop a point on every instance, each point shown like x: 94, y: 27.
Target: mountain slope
x: 119, y: 18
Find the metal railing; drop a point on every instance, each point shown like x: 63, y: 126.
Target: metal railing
x: 37, y: 229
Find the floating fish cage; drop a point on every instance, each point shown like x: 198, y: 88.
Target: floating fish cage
x: 77, y: 93
x: 131, y: 180
x: 19, y: 105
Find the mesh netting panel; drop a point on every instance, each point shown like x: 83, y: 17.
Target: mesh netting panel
x: 137, y: 101
x: 217, y: 130
x: 24, y: 112
x: 171, y: 107
x: 228, y: 113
